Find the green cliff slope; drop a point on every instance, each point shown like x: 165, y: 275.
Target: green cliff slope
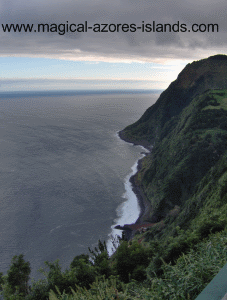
x: 188, y: 127
x: 195, y: 78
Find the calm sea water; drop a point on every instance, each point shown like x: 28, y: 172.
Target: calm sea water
x: 64, y: 173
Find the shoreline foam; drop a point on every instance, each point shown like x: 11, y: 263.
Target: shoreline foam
x: 144, y: 204
x: 134, y: 198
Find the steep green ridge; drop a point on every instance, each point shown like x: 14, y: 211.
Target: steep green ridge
x: 188, y: 126
x: 172, y: 173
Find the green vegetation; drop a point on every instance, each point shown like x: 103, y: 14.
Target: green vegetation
x: 183, y: 279
x: 185, y: 180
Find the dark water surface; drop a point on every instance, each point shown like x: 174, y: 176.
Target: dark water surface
x: 62, y: 171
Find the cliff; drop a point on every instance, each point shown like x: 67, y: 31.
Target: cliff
x: 188, y: 128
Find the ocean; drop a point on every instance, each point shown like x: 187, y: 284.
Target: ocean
x: 64, y: 172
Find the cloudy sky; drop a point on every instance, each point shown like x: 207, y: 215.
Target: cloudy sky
x: 119, y: 59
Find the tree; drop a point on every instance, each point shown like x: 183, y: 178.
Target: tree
x: 1, y: 280
x: 39, y: 290
x: 76, y: 260
x: 84, y: 274
x: 55, y: 277
x: 98, y: 250
x: 123, y: 262
x: 131, y: 261
x: 101, y: 259
x: 18, y: 276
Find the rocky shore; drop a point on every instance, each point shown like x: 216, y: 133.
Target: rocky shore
x: 145, y: 206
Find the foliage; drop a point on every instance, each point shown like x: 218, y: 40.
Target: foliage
x: 39, y: 290
x: 183, y: 280
x: 77, y: 260
x: 101, y: 289
x: 193, y: 271
x: 98, y: 250
x: 1, y: 280
x: 15, y: 284
x: 131, y: 260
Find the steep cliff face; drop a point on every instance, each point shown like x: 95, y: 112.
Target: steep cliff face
x: 188, y: 127
x: 197, y: 77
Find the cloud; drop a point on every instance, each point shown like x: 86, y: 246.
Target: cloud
x: 114, y: 46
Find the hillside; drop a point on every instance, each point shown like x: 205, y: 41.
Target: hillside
x: 187, y: 126
x: 196, y: 77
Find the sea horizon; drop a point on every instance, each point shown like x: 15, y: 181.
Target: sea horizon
x: 77, y: 92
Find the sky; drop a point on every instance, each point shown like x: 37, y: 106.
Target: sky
x: 106, y: 56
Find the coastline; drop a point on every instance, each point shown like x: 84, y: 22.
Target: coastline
x: 144, y: 204
x: 142, y: 143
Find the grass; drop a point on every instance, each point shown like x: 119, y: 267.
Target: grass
x: 219, y: 100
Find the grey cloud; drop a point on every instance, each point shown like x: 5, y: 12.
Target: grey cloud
x: 138, y: 45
